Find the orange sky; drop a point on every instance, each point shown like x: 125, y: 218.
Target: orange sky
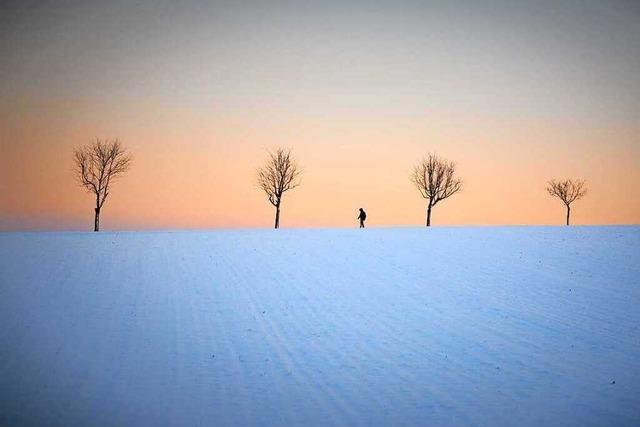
x: 198, y: 123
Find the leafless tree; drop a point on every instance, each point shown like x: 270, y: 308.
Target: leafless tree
x: 279, y: 175
x: 568, y: 191
x: 435, y: 179
x: 97, y: 165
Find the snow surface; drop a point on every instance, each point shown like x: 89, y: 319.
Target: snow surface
x: 446, y: 326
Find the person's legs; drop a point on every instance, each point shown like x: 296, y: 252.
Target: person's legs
x: 361, y: 223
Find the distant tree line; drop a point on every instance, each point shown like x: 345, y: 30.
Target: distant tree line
x: 99, y: 164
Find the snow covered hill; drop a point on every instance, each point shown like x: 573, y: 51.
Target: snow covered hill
x: 447, y: 326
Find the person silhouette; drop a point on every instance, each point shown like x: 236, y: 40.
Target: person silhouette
x: 362, y: 216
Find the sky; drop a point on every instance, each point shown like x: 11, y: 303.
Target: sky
x: 515, y: 93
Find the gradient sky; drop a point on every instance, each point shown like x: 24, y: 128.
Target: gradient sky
x: 515, y: 92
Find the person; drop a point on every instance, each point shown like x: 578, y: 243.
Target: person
x: 362, y: 216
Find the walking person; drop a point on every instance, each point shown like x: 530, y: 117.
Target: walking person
x: 362, y: 216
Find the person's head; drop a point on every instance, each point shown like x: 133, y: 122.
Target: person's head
x: 361, y: 209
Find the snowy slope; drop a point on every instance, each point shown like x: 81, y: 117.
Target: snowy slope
x: 447, y: 326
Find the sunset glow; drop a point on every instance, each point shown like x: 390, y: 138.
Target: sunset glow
x: 515, y: 95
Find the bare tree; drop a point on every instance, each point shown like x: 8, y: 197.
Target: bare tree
x: 435, y: 179
x: 568, y: 191
x: 280, y: 174
x: 97, y: 165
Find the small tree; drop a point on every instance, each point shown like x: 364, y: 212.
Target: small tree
x: 568, y: 191
x: 97, y: 165
x: 279, y: 175
x: 435, y: 179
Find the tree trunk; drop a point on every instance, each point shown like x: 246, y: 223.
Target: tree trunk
x: 277, y: 216
x: 568, y: 212
x: 429, y: 215
x: 96, y: 222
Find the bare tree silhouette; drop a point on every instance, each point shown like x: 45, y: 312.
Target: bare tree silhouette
x: 97, y: 165
x: 568, y: 191
x: 435, y: 179
x: 279, y: 175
